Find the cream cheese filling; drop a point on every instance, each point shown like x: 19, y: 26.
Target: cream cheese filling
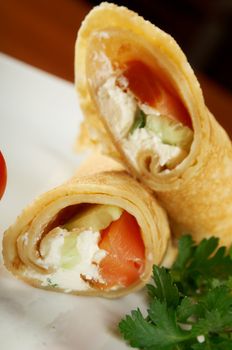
x: 87, y: 264
x: 119, y: 108
x: 145, y: 140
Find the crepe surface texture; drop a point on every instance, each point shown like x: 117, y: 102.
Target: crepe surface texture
x: 32, y: 245
x: 195, y: 189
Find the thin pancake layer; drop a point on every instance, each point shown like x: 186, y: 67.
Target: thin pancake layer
x: 36, y: 238
x: 196, y: 185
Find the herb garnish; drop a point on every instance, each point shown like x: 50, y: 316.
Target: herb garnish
x: 140, y: 120
x: 190, y: 304
x: 51, y: 284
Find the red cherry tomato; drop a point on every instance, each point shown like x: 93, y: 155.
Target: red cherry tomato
x: 3, y: 175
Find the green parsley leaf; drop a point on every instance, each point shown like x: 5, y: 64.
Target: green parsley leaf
x: 167, y: 330
x: 186, y: 249
x: 163, y: 333
x: 218, y: 298
x: 139, y: 121
x: 188, y: 308
x: 137, y: 330
x: 216, y: 343
x: 190, y: 305
x: 50, y: 283
x: 163, y: 289
x: 197, y: 266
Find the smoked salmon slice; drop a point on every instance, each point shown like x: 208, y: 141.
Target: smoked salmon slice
x: 148, y: 88
x: 126, y: 253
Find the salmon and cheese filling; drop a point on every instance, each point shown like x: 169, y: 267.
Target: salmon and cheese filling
x: 140, y: 109
x: 97, y: 234
x: 98, y: 247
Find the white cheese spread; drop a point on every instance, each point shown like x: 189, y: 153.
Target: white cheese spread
x: 143, y: 139
x: 103, y: 69
x: 90, y: 255
x: 53, y: 256
x: 117, y: 107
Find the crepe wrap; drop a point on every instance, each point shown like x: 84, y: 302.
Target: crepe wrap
x: 99, y: 180
x: 197, y: 193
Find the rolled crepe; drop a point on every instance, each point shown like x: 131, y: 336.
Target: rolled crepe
x: 144, y: 106
x: 58, y: 244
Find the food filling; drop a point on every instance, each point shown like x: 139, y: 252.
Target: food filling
x: 100, y: 247
x: 145, y: 115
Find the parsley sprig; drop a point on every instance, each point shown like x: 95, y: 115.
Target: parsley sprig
x: 190, y: 304
x: 51, y: 284
x: 139, y: 121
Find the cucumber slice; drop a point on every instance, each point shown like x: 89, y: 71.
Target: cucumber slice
x: 69, y: 253
x: 170, y: 131
x: 97, y: 217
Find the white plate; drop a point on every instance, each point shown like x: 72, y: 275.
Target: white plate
x: 39, y: 120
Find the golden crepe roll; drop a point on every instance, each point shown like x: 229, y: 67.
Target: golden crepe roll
x: 98, y: 234
x: 143, y: 106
